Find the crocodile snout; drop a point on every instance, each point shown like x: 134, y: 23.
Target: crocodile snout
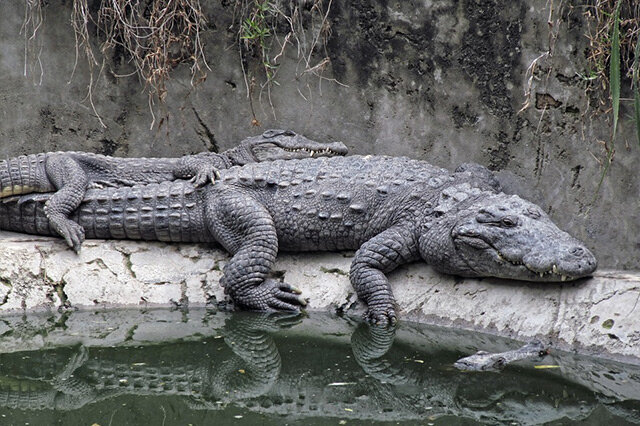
x: 585, y: 261
x: 572, y: 261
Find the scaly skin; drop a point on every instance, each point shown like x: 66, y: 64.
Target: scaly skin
x: 391, y: 210
x: 72, y: 173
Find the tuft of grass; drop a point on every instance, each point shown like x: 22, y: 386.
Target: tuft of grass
x: 255, y: 30
x: 614, y: 40
x: 601, y: 17
x: 267, y: 29
x: 154, y: 35
x: 614, y: 88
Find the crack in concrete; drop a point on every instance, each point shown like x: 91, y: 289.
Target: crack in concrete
x: 130, y: 333
x: 128, y: 264
x: 634, y: 305
x: 62, y: 295
x: 206, y: 133
x: 184, y: 299
x: 99, y: 262
x: 618, y: 293
x: 336, y: 271
x: 5, y: 281
x: 605, y: 298
x: 58, y: 286
x: 474, y: 292
x: 348, y: 303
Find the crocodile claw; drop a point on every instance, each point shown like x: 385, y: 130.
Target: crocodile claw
x: 295, y: 290
x: 204, y: 176
x: 384, y: 316
x: 69, y: 230
x: 273, y: 295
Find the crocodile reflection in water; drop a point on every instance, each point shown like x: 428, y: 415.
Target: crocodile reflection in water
x: 252, y: 369
x: 246, y: 369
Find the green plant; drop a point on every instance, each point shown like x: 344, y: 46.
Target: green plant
x: 255, y: 30
x: 266, y: 29
x: 614, y: 87
x: 614, y: 38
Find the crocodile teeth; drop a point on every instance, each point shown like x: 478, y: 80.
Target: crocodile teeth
x: 555, y: 269
x: 563, y: 277
x: 541, y: 274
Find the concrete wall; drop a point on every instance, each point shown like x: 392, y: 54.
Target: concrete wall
x: 436, y: 80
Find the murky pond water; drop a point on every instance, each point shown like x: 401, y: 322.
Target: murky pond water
x: 162, y: 367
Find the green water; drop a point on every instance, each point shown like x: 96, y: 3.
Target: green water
x: 163, y: 367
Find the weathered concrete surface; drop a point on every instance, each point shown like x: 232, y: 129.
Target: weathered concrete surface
x: 597, y: 316
x: 436, y: 80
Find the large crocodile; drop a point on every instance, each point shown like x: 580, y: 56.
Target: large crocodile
x: 392, y: 210
x: 71, y: 173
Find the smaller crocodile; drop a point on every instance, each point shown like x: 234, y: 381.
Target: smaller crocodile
x: 71, y: 173
x: 485, y: 361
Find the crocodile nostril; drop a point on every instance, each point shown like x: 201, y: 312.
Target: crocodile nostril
x: 577, y: 251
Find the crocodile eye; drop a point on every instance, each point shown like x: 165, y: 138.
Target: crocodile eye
x: 509, y: 222
x: 271, y: 133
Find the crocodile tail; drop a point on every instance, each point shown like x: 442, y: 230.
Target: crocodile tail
x: 26, y: 394
x: 171, y: 211
x: 25, y: 214
x: 23, y: 175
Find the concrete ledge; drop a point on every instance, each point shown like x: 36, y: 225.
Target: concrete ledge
x: 598, y: 316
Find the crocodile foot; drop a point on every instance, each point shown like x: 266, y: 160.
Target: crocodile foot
x: 205, y: 175
x: 272, y: 295
x: 383, y: 315
x: 69, y: 230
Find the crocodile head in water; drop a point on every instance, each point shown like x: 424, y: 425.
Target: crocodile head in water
x: 504, y: 236
x: 485, y: 361
x: 277, y: 144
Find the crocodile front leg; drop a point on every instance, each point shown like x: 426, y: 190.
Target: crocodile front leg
x: 256, y: 354
x: 381, y: 254
x: 246, y: 229
x: 71, y: 181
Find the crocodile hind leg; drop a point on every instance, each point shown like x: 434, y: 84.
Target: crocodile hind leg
x: 246, y: 229
x: 71, y: 181
x: 379, y: 255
